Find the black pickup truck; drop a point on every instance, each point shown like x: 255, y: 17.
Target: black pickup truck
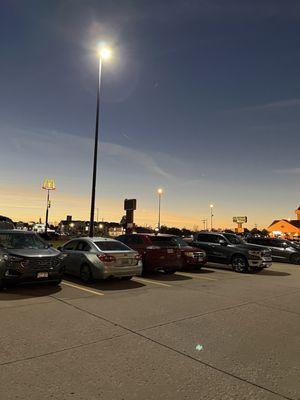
x: 230, y: 249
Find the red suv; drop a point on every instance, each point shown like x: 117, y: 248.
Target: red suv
x: 157, y: 254
x: 192, y: 257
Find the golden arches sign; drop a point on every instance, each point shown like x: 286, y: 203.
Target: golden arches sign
x: 49, y: 184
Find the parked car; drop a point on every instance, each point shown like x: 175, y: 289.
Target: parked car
x: 25, y: 257
x: 100, y: 258
x: 230, y: 249
x: 282, y: 250
x: 6, y: 223
x: 157, y: 254
x: 191, y: 257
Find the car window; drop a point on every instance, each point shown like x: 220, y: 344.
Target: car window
x: 131, y: 239
x: 233, y: 239
x: 162, y: 241
x: 259, y: 241
x: 203, y: 237
x: 71, y: 245
x: 83, y: 246
x: 277, y: 243
x: 22, y: 241
x: 111, y: 245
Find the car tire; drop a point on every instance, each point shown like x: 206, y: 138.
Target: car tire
x: 169, y: 271
x: 239, y: 264
x: 126, y: 278
x: 86, y: 273
x: 1, y: 285
x: 55, y: 283
x: 295, y: 259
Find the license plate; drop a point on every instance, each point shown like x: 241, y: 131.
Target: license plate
x: 170, y: 251
x: 42, y: 275
x: 126, y: 262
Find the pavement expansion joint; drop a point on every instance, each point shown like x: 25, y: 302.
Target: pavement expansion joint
x: 139, y: 334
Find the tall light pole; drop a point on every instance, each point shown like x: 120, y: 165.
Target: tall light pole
x: 159, y: 192
x: 104, y: 54
x: 211, y: 216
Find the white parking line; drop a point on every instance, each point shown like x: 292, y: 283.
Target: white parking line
x: 82, y: 288
x: 142, y: 280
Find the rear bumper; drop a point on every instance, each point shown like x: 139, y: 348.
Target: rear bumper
x: 119, y: 272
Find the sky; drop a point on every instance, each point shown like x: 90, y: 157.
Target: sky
x: 201, y: 98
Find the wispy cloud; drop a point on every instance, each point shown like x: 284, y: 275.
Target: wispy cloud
x: 71, y: 150
x: 275, y: 105
x: 289, y: 171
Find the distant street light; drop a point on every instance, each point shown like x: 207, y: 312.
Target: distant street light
x: 48, y: 184
x: 211, y: 216
x: 160, y: 192
x: 104, y: 54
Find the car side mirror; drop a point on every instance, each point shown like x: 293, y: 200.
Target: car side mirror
x: 223, y: 242
x: 59, y: 248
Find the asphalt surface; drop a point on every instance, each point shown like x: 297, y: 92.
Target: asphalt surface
x: 209, y: 335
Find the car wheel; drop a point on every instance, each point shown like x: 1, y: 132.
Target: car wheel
x: 169, y: 271
x: 86, y: 273
x: 1, y: 285
x: 239, y: 264
x: 295, y: 259
x: 55, y: 283
x: 126, y: 278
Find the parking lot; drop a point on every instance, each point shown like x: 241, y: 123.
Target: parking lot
x: 213, y: 334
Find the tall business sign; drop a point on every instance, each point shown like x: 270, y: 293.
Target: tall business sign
x: 240, y: 221
x: 48, y: 184
x: 129, y: 207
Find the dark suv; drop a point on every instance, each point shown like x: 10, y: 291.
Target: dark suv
x: 282, y: 250
x: 25, y: 257
x: 230, y: 249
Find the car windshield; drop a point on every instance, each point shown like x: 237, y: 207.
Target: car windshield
x: 233, y: 239
x: 164, y: 241
x: 21, y: 241
x: 293, y: 244
x: 110, y: 245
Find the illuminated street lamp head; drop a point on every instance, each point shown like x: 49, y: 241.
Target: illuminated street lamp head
x: 104, y: 52
x: 211, y: 206
x: 160, y: 191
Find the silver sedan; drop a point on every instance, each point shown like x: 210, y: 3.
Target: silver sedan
x: 100, y: 258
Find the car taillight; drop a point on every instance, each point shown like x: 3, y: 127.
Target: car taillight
x: 106, y: 258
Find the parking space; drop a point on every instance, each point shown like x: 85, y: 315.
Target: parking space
x: 212, y: 334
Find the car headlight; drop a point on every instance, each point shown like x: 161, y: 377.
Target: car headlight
x: 189, y: 254
x: 255, y: 253
x: 9, y: 258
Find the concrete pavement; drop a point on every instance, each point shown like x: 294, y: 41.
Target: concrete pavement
x: 209, y: 335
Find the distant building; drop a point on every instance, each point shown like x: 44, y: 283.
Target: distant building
x: 77, y: 228
x: 286, y: 227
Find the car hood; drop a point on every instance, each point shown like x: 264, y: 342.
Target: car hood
x: 191, y: 248
x: 249, y: 246
x: 34, y: 252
